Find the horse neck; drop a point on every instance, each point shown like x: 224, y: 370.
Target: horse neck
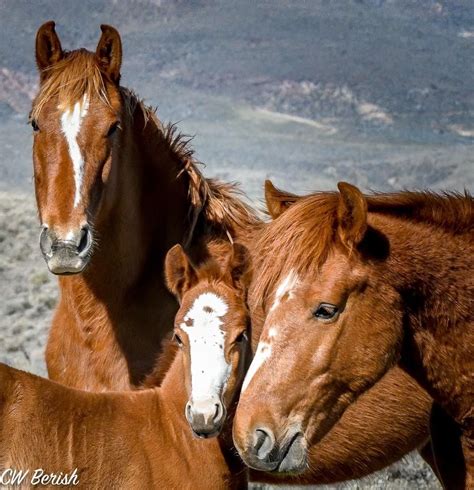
x: 144, y: 215
x: 432, y: 269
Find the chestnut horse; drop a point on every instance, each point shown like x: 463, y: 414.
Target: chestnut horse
x: 115, y: 191
x: 140, y: 439
x: 369, y: 280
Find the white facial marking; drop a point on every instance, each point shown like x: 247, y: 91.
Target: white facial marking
x: 272, y: 332
x: 264, y: 351
x: 209, y: 368
x: 70, y: 126
x: 287, y: 286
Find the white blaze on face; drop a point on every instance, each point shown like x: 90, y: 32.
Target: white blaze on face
x: 285, y: 288
x: 71, y: 125
x: 264, y: 348
x: 209, y: 369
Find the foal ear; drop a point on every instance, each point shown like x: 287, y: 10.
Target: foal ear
x: 351, y: 214
x: 48, y: 48
x: 180, y: 274
x: 277, y: 200
x: 109, y: 52
x: 239, y: 266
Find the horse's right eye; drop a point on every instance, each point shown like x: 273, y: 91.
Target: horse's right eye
x: 178, y: 340
x: 34, y: 125
x: 113, y: 128
x: 326, y: 311
x: 242, y: 337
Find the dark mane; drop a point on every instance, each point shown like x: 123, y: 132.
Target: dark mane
x: 220, y: 204
x: 301, y: 238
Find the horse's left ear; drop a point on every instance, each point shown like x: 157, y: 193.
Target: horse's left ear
x: 277, y: 201
x: 48, y: 48
x: 351, y: 214
x: 239, y: 266
x: 109, y: 52
x: 180, y: 274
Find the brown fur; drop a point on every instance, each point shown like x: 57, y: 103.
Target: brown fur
x: 111, y: 319
x: 129, y: 439
x: 148, y: 195
x: 408, y: 277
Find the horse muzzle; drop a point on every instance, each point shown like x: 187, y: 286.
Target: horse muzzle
x: 206, y: 419
x: 264, y: 453
x: 68, y: 255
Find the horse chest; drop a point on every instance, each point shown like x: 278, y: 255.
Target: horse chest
x: 99, y: 349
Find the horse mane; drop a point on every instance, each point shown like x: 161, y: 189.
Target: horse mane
x: 451, y: 211
x: 221, y: 204
x: 301, y: 238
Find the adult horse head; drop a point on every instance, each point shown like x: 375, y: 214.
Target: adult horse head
x: 211, y: 328
x: 369, y: 281
x: 75, y: 117
x: 273, y: 431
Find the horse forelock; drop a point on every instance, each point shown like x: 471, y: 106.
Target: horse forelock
x: 70, y: 79
x: 299, y: 240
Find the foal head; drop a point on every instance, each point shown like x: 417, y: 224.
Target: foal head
x: 211, y: 328
x: 332, y: 326
x: 74, y: 118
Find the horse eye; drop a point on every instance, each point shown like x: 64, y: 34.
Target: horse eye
x: 326, y: 311
x: 113, y: 128
x: 34, y: 125
x: 178, y: 340
x: 242, y: 337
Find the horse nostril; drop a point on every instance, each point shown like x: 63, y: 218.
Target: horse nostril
x: 189, y: 413
x: 263, y: 443
x: 218, y: 413
x: 46, y: 242
x: 85, y: 240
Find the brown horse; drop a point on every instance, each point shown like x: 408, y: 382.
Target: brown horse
x: 134, y: 187
x: 115, y: 191
x: 369, y: 280
x: 140, y: 439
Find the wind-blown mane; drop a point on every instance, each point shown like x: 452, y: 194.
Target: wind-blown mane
x: 78, y: 74
x: 301, y: 238
x: 451, y: 211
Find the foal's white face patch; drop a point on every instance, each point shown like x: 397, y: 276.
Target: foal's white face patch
x: 209, y: 369
x: 71, y: 125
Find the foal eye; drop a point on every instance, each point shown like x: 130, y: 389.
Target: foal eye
x: 34, y: 125
x: 178, y: 340
x: 326, y: 311
x: 242, y: 337
x: 113, y: 128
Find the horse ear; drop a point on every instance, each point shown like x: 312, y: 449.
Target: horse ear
x: 277, y: 200
x: 48, y: 47
x: 239, y: 266
x: 180, y: 274
x: 109, y: 52
x: 351, y: 214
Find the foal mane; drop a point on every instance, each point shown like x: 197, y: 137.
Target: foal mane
x: 301, y: 238
x: 220, y: 204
